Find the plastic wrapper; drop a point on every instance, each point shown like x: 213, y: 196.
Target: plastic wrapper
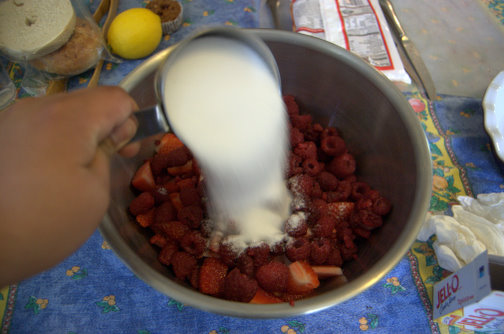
x: 75, y: 46
x: 476, y: 225
x: 356, y: 25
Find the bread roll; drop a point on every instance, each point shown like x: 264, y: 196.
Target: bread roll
x: 34, y: 28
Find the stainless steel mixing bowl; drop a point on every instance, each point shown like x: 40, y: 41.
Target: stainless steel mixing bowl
x: 379, y: 127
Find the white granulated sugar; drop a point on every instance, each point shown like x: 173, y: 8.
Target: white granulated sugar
x: 226, y: 106
x: 296, y: 219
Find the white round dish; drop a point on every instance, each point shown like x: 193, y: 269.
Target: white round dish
x: 493, y: 108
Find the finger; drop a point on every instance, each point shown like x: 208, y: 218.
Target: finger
x: 122, y: 134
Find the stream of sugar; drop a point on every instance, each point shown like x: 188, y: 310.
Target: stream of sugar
x: 226, y: 106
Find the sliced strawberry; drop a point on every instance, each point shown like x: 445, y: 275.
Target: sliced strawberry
x: 302, y: 278
x: 168, y: 143
x: 175, y: 200
x: 341, y: 210
x: 327, y: 271
x: 212, y: 275
x: 262, y: 297
x: 142, y: 203
x: 145, y: 219
x: 186, y: 169
x: 143, y: 179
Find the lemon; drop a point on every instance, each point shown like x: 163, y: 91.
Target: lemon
x: 135, y: 33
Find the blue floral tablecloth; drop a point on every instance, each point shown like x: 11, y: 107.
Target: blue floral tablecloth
x: 92, y: 291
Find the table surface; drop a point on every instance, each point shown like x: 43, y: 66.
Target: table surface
x: 92, y: 291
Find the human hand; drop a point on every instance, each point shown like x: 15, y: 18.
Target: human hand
x: 54, y: 173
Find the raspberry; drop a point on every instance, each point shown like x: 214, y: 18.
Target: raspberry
x: 319, y: 250
x: 316, y: 191
x: 362, y: 232
x: 324, y: 226
x: 183, y: 264
x: 191, y: 216
x: 342, y: 165
x: 227, y: 254
x: 306, y: 150
x: 342, y: 192
x: 193, y: 243
x: 167, y: 252
x: 273, y: 276
x: 318, y: 208
x: 164, y: 213
x: 329, y: 131
x: 333, y: 145
x: 296, y: 137
x: 246, y: 265
x: 298, y: 250
x: 291, y: 104
x: 366, y: 219
x: 239, y: 287
x: 174, y: 230
x: 260, y: 254
x: 312, y: 167
x: 302, y: 122
x: 313, y: 132
x: 295, y: 162
x: 194, y: 277
x: 296, y: 225
x: 381, y: 206
x: 189, y: 196
x: 158, y: 240
x: 359, y: 190
x: 334, y: 258
x: 349, y: 249
x: 212, y: 276
x: 364, y: 204
x: 301, y: 184
x: 327, y: 181
x: 141, y: 204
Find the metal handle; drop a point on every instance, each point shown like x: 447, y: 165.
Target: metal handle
x: 389, y: 12
x: 151, y: 121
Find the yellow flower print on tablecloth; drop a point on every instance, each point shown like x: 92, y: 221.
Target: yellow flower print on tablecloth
x: 221, y: 330
x: 76, y: 272
x: 208, y: 13
x: 293, y: 327
x: 108, y: 304
x: 36, y: 304
x: 105, y: 245
x: 394, y: 285
x: 249, y: 9
x: 370, y: 321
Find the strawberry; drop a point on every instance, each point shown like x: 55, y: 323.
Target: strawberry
x: 168, y: 143
x: 175, y: 201
x: 143, y: 179
x: 262, y: 297
x: 145, y: 219
x: 212, y: 275
x: 342, y: 211
x: 302, y: 279
x: 327, y: 271
x: 186, y: 169
x: 142, y: 203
